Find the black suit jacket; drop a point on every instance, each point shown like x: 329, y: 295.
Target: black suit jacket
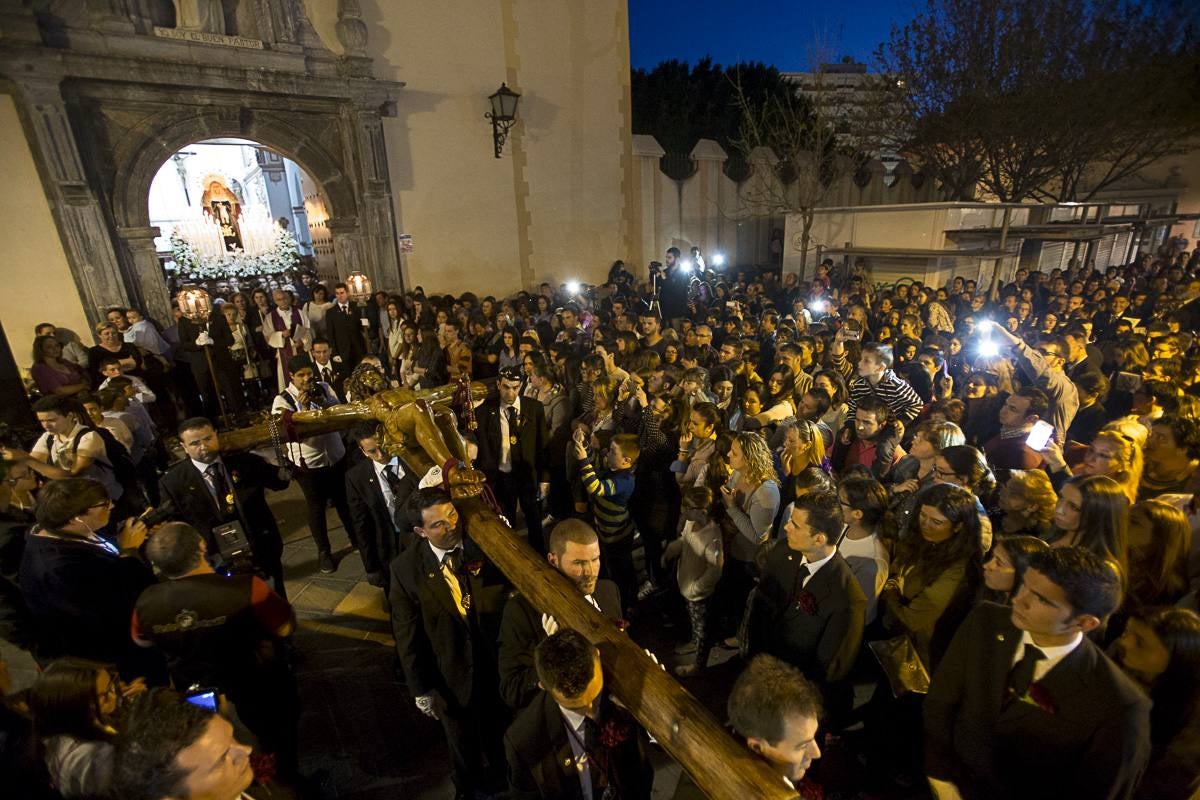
x: 185, y: 497
x: 345, y: 334
x: 541, y: 763
x: 818, y: 628
x: 192, y: 353
x: 529, y: 454
x: 379, y: 537
x: 521, y: 632
x: 1093, y: 744
x: 440, y: 650
x: 337, y: 381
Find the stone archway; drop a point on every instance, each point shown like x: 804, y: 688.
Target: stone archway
x: 105, y: 98
x: 129, y: 139
x: 139, y: 157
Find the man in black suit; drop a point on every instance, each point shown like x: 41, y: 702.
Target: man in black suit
x: 377, y: 492
x: 445, y: 604
x: 572, y: 742
x: 775, y: 711
x: 210, y: 489
x: 810, y: 609
x: 513, y: 439
x: 575, y: 552
x: 194, y: 337
x: 343, y: 324
x: 327, y: 369
x: 1024, y: 705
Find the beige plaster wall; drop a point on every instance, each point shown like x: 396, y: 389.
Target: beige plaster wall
x: 552, y: 207
x: 37, y: 279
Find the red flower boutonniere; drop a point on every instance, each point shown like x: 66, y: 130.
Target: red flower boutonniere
x: 474, y: 567
x: 614, y: 733
x: 263, y: 766
x: 622, y: 624
x: 1038, y: 696
x: 807, y: 603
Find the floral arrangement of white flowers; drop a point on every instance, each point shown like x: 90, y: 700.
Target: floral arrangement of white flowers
x: 189, y: 265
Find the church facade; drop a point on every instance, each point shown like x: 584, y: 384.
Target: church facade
x: 381, y: 103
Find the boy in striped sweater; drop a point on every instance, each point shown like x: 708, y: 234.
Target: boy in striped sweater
x: 608, y: 495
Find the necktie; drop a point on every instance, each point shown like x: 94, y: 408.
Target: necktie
x: 450, y: 566
x: 216, y: 476
x: 1021, y: 675
x: 326, y: 375
x: 802, y: 572
x: 393, y: 481
x: 511, y: 413
x: 597, y: 755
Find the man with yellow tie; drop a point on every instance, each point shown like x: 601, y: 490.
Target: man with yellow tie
x: 446, y: 604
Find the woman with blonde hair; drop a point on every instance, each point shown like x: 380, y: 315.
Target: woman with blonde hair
x: 751, y: 500
x: 1111, y: 453
x: 803, y: 446
x: 1028, y: 501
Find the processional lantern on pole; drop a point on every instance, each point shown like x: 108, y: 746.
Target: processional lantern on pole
x: 359, y: 286
x: 196, y: 305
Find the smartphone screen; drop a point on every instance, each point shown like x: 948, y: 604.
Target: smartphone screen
x: 205, y: 698
x: 1040, y: 435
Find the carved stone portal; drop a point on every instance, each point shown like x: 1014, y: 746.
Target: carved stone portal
x: 109, y: 106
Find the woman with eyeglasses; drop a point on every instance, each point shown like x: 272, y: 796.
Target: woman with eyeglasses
x: 81, y: 580
x: 76, y: 707
x: 914, y: 473
x: 1110, y: 453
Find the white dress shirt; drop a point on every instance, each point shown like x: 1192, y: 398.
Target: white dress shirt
x: 813, y: 566
x: 384, y: 486
x: 323, y: 450
x: 1053, y: 654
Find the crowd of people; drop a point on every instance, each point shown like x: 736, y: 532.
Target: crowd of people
x: 952, y: 528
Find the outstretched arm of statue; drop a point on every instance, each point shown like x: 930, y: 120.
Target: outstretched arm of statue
x: 440, y: 440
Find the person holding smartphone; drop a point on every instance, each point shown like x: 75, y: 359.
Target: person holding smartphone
x: 1044, y: 365
x: 1019, y: 443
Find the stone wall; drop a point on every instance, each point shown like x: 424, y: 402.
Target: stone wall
x: 718, y: 214
x: 38, y: 286
x: 552, y: 207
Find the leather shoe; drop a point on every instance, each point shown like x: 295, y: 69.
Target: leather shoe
x: 325, y: 563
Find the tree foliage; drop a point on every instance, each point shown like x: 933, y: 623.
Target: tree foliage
x: 817, y: 137
x: 678, y: 104
x: 1051, y: 100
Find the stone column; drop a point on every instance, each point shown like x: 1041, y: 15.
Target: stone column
x: 347, y: 248
x: 376, y: 219
x: 151, y: 285
x: 82, y: 224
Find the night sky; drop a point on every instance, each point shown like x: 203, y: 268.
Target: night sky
x: 781, y: 33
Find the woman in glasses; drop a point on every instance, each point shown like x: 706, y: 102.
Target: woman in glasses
x: 76, y: 707
x: 1111, y: 453
x: 81, y: 579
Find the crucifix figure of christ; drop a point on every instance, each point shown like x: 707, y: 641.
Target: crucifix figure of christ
x: 420, y: 425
